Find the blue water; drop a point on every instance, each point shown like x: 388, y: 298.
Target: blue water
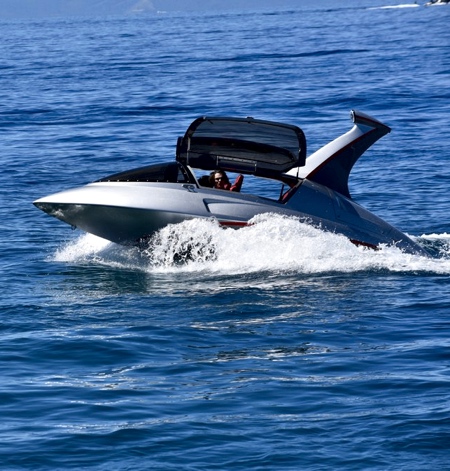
x: 293, y: 349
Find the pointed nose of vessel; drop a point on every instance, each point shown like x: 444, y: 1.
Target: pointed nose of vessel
x: 44, y: 206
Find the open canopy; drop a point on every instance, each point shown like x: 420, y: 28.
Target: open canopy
x: 242, y: 145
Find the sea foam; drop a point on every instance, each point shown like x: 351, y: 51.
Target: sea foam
x: 271, y: 242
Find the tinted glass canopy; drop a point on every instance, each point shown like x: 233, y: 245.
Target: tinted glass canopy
x: 243, y: 145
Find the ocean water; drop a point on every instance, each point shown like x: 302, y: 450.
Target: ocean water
x: 293, y: 349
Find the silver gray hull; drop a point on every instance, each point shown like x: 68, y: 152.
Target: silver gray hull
x: 126, y: 213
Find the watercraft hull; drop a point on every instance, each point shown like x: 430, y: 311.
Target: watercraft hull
x: 127, y: 213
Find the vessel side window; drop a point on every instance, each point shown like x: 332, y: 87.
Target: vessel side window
x: 168, y: 172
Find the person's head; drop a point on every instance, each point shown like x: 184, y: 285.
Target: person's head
x: 220, y: 179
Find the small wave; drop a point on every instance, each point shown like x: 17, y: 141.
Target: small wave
x: 255, y: 57
x: 272, y: 243
x: 436, y: 244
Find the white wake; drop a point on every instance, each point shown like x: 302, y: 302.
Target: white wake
x: 392, y: 7
x: 272, y: 243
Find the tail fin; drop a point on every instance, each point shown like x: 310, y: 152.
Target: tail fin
x: 331, y: 165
